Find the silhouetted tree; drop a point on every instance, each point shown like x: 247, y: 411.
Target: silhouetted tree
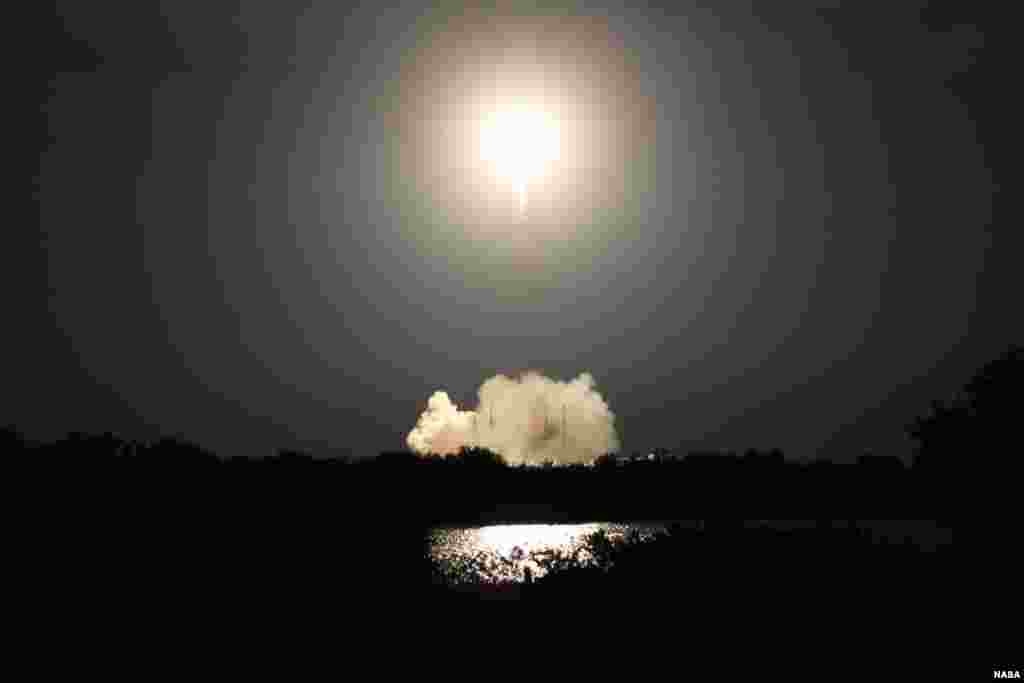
x: 174, y: 450
x: 979, y: 422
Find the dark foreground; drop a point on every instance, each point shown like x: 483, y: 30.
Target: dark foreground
x: 287, y: 557
x: 167, y: 536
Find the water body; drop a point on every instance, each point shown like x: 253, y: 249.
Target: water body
x: 516, y: 552
x: 519, y: 552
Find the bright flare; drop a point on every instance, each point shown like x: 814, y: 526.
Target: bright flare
x: 519, y: 143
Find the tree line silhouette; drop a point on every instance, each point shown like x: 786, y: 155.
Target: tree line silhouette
x: 973, y: 430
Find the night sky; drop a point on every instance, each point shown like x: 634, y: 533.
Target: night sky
x: 786, y: 228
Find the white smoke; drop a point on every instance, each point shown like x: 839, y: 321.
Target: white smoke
x: 532, y: 419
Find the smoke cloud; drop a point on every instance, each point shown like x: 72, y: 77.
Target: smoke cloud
x: 531, y: 419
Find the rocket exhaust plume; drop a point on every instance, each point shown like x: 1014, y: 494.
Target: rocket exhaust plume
x: 527, y: 420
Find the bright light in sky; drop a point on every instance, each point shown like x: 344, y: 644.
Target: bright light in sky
x: 495, y: 104
x: 519, y: 144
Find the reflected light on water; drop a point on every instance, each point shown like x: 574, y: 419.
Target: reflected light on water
x: 516, y: 552
x: 519, y: 552
x: 515, y: 540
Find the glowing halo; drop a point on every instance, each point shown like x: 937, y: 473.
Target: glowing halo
x: 521, y: 145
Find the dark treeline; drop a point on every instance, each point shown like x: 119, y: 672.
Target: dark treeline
x: 973, y: 433
x: 470, y: 485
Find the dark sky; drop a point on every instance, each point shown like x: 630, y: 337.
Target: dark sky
x: 225, y: 248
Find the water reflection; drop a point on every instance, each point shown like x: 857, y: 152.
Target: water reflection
x: 521, y: 552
